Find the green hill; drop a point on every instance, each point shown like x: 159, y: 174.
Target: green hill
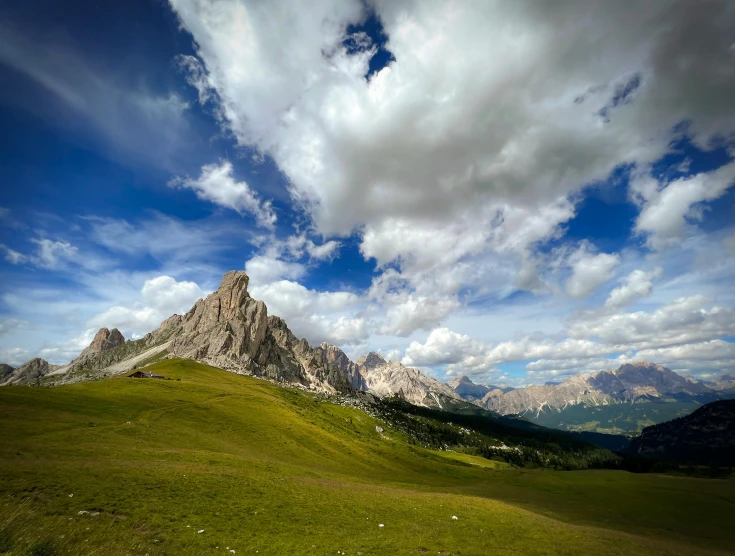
x: 622, y: 418
x: 267, y: 470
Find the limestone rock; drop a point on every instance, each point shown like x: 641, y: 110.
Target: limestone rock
x: 31, y: 371
x: 5, y: 372
x: 372, y: 373
x: 104, y: 340
x: 337, y: 358
x: 627, y: 384
x: 231, y: 330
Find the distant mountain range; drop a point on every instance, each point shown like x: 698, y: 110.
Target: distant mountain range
x: 624, y: 400
x: 233, y: 331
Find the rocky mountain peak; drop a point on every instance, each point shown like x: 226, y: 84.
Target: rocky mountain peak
x: 337, y: 358
x: 30, y: 371
x: 467, y: 389
x: 371, y: 360
x: 5, y: 372
x: 104, y: 340
x: 231, y: 330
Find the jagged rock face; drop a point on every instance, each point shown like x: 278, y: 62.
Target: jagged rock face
x: 104, y: 340
x: 233, y: 331
x: 372, y: 373
x: 229, y: 330
x: 390, y: 377
x: 5, y: 372
x: 371, y: 361
x: 28, y: 372
x: 227, y: 324
x: 626, y: 384
x: 468, y: 389
x: 337, y: 358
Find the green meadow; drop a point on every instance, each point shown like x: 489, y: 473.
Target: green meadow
x: 212, y: 462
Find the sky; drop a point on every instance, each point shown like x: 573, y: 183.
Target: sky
x: 512, y: 191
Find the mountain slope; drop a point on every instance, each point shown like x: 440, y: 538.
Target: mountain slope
x: 706, y: 437
x: 229, y: 329
x: 30, y: 372
x: 257, y: 467
x: 5, y: 372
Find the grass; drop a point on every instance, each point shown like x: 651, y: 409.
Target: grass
x: 623, y: 418
x: 268, y: 470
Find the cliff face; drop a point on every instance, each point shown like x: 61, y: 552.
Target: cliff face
x: 104, y: 340
x: 29, y: 372
x: 231, y: 330
x: 374, y: 374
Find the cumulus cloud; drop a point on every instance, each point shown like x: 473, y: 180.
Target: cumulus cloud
x: 167, y: 295
x: 14, y: 356
x: 689, y: 329
x: 667, y: 209
x: 316, y: 316
x: 160, y: 297
x: 636, y: 285
x: 406, y: 144
x: 589, y: 270
x: 453, y: 182
x: 217, y: 184
x: 461, y: 353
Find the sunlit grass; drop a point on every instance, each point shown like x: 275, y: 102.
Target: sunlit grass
x: 267, y: 470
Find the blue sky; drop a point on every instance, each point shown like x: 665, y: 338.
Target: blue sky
x: 517, y: 192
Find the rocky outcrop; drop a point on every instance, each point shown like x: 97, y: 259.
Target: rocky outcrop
x: 30, y: 372
x: 467, y: 389
x: 104, y: 340
x: 372, y: 373
x: 337, y: 358
x: 231, y: 330
x: 627, y: 384
x: 5, y: 372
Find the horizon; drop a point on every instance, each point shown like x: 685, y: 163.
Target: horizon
x: 551, y: 198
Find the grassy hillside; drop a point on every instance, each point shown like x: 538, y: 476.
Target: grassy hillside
x: 267, y: 470
x: 624, y: 418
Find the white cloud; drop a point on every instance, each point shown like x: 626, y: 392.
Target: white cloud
x: 636, y: 285
x: 12, y: 256
x: 269, y: 267
x: 589, y: 270
x: 407, y: 313
x: 445, y: 347
x: 165, y: 294
x: 406, y: 144
x: 217, y: 184
x: 316, y: 316
x: 14, y: 356
x: 48, y: 253
x: 160, y: 297
x: 668, y: 209
x: 688, y: 329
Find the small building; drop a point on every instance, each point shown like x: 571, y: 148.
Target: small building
x: 145, y: 374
